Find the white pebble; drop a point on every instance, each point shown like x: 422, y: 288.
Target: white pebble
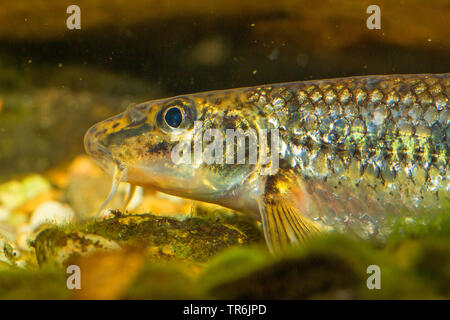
x: 52, y: 212
x: 4, y: 214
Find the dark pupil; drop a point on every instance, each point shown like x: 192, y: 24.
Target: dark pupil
x: 173, y: 117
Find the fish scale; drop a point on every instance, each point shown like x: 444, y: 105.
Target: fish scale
x: 366, y: 140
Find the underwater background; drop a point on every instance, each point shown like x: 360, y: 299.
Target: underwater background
x: 55, y: 83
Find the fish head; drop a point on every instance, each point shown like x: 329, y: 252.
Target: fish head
x: 161, y: 143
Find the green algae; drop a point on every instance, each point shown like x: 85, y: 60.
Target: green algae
x: 302, y: 272
x: 432, y: 223
x: 332, y: 267
x: 167, y: 238
x: 193, y: 239
x: 32, y: 285
x: 245, y: 223
x: 163, y: 280
x: 56, y: 246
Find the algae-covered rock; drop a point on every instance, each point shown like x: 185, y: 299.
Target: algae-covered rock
x: 192, y: 239
x: 242, y: 222
x: 56, y: 246
x: 165, y: 238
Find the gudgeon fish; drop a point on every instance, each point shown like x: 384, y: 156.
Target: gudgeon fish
x: 350, y: 151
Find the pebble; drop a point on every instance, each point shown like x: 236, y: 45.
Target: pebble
x: 8, y: 231
x: 4, y: 214
x: 52, y: 212
x: 24, y: 235
x: 15, y: 193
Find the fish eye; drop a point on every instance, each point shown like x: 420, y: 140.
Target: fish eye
x: 173, y: 117
x: 176, y: 115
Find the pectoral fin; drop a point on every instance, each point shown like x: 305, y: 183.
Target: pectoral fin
x: 284, y: 225
x: 118, y: 173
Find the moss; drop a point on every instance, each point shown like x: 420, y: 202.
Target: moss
x: 43, y: 284
x: 433, y: 266
x: 159, y: 280
x: 423, y: 224
x: 303, y: 272
x: 427, y: 261
x: 231, y: 264
x: 331, y: 267
x: 194, y: 238
x: 242, y: 222
x: 166, y: 238
x: 55, y: 245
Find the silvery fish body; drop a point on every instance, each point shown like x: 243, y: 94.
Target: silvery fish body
x: 351, y: 151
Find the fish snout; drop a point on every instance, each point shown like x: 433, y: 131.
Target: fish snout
x: 93, y: 145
